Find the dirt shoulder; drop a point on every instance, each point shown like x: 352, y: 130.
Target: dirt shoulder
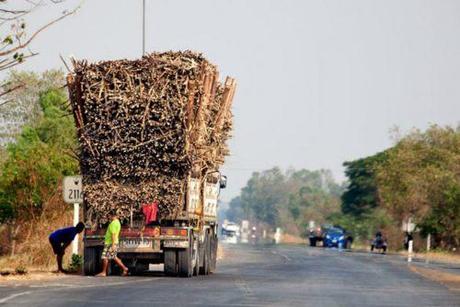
x: 451, y: 281
x: 32, y: 276
x: 443, y: 257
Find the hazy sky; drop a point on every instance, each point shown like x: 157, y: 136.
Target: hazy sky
x: 319, y: 82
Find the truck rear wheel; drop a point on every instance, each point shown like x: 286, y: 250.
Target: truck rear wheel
x: 185, y: 259
x: 214, y: 246
x: 196, y: 267
x: 185, y: 262
x: 170, y: 262
x: 91, y: 260
x: 204, y: 270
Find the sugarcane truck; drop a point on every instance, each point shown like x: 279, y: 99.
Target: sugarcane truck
x: 186, y: 245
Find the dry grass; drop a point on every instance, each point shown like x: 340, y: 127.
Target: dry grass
x: 292, y: 239
x: 439, y: 256
x: 452, y: 281
x: 32, y: 276
x: 33, y: 250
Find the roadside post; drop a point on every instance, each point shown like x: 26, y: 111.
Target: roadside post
x: 428, y: 242
x: 278, y: 235
x: 72, y: 189
x: 411, y: 247
x: 409, y: 227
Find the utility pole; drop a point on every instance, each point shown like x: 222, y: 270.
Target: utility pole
x: 143, y: 27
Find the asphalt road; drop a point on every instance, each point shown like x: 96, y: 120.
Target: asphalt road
x: 252, y: 276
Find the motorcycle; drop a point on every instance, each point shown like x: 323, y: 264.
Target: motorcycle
x: 380, y: 244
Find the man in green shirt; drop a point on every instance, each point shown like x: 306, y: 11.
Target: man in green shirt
x: 111, y: 246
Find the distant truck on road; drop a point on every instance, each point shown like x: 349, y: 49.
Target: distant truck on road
x: 230, y: 232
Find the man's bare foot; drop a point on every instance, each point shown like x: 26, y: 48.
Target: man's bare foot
x: 125, y: 273
x: 102, y: 274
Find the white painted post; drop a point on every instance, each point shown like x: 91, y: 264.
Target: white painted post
x: 428, y: 242
x: 278, y: 235
x: 411, y: 248
x: 76, y: 218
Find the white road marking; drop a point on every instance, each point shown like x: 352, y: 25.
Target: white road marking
x: 52, y: 287
x: 4, y: 300
x: 282, y: 255
x: 93, y: 285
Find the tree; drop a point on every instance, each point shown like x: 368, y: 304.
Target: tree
x: 36, y: 163
x: 15, y: 43
x: 421, y: 178
x: 235, y: 211
x: 287, y: 200
x: 16, y: 40
x: 360, y: 196
x: 24, y: 107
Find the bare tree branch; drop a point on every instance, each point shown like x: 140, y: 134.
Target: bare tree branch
x: 11, y: 90
x: 25, y: 44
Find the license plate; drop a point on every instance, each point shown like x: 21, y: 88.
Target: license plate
x: 136, y: 243
x: 334, y: 241
x: 176, y: 243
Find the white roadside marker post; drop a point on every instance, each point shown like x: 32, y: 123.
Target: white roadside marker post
x: 410, y: 249
x: 72, y: 189
x: 76, y: 219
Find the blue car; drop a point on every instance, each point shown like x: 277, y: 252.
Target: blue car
x: 336, y: 237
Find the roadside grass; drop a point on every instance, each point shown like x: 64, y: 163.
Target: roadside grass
x: 292, y: 239
x: 434, y: 255
x: 452, y: 281
x: 33, y: 251
x: 437, y: 255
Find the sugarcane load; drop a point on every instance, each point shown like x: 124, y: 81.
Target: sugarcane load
x: 150, y: 130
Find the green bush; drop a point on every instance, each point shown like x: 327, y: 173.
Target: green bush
x: 75, y: 263
x: 21, y: 270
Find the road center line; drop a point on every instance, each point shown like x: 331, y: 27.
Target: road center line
x: 282, y: 255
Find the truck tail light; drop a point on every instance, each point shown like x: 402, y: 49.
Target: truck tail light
x: 174, y: 232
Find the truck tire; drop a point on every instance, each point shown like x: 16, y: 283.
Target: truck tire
x: 170, y: 262
x: 140, y: 268
x: 208, y: 252
x: 197, y: 261
x: 184, y: 260
x: 214, y: 246
x: 204, y: 270
x: 91, y: 261
x: 313, y: 242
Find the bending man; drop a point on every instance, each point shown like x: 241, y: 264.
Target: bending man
x: 62, y: 238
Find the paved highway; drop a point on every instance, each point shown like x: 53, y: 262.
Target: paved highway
x: 252, y: 276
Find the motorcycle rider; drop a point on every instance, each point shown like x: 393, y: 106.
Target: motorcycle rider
x: 379, y: 242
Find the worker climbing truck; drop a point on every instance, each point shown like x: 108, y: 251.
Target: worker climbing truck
x: 152, y: 136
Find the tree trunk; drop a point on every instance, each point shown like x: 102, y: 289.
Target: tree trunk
x: 14, y: 230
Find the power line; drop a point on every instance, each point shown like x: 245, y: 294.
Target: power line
x: 143, y: 27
